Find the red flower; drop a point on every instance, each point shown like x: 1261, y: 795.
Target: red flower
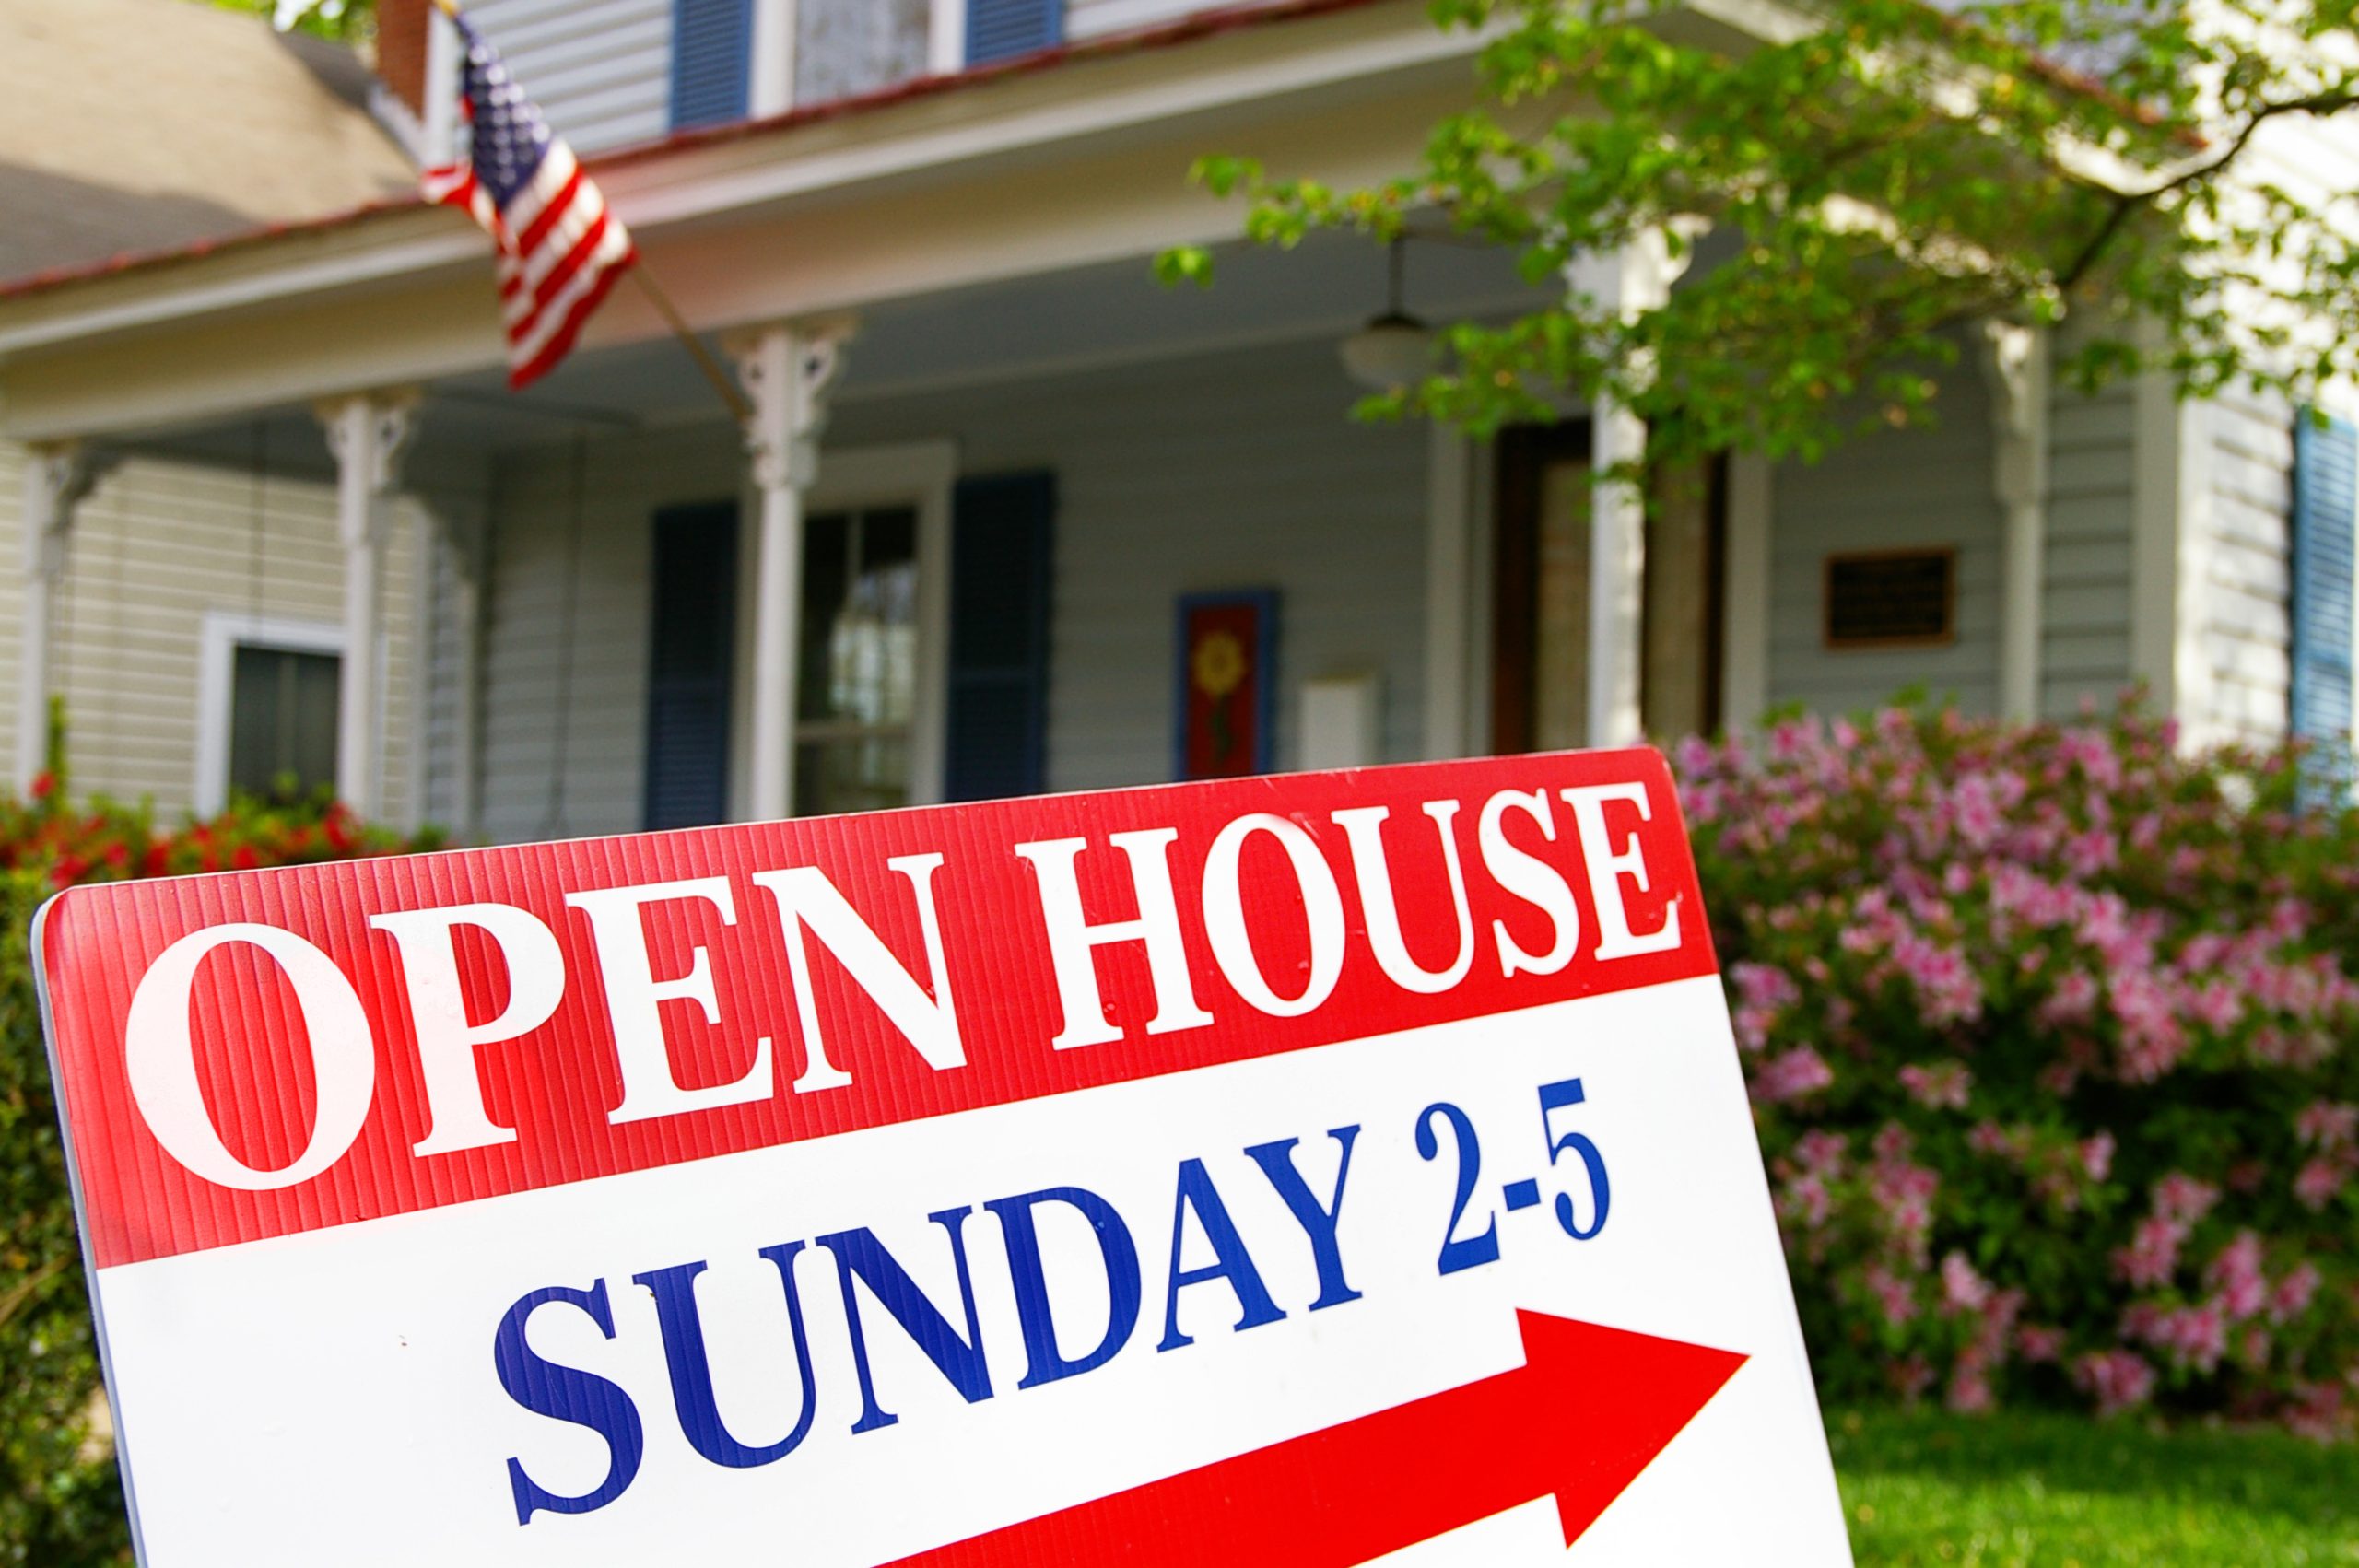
x: 244, y: 858
x: 69, y: 870
x: 45, y: 785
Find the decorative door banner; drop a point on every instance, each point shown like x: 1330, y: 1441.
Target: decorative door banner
x: 1226, y: 668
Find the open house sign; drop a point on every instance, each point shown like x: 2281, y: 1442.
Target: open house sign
x: 1292, y: 1171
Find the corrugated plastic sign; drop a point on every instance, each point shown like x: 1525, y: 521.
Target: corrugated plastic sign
x: 1298, y: 1170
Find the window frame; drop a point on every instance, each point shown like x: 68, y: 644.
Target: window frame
x: 921, y: 475
x: 222, y: 636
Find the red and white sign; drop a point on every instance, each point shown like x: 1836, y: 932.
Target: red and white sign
x: 1294, y: 1171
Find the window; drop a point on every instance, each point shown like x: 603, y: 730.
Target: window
x: 859, y: 660
x: 282, y: 721
x: 268, y: 704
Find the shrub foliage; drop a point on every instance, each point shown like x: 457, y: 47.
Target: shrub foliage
x: 61, y: 1504
x: 2050, y: 1035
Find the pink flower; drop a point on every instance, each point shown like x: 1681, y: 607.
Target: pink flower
x: 1895, y: 1297
x: 2235, y: 1274
x: 1796, y: 1074
x: 1807, y: 1200
x: 1820, y: 1152
x: 2119, y: 1380
x: 2039, y: 1344
x: 2088, y: 853
x: 2293, y: 1293
x: 2182, y: 1200
x: 1765, y: 986
x: 1989, y: 1137
x: 2325, y: 1125
x: 2152, y: 1255
x: 2216, y: 1007
x: 2320, y: 1181
x: 2074, y: 999
x: 1962, y: 1289
x: 1947, y: 990
x: 1943, y: 1085
x: 2096, y: 1156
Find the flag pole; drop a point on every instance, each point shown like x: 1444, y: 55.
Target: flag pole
x: 735, y: 400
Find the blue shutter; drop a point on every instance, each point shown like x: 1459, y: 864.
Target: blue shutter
x: 712, y: 52
x: 997, y: 741
x: 1000, y: 29
x: 2326, y: 501
x: 691, y: 635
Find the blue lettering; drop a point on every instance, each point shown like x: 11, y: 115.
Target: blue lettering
x: 1230, y: 1260
x: 1276, y: 1160
x: 691, y: 1368
x: 1043, y: 1361
x: 859, y: 1254
x: 564, y: 1393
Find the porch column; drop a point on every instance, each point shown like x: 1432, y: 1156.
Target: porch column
x: 57, y: 477
x: 367, y: 434
x: 1644, y: 273
x: 786, y: 370
x: 2014, y: 360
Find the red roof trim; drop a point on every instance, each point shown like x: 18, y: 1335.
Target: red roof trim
x: 1188, y: 29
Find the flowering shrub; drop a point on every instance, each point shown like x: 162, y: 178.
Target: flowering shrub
x: 2050, y: 1037
x: 60, y: 1503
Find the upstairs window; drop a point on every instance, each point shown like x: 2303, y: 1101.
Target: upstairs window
x: 712, y: 52
x: 1002, y: 29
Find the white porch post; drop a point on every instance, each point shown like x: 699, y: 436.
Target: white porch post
x: 1644, y: 273
x: 2014, y: 359
x: 367, y: 434
x: 57, y: 477
x: 786, y: 372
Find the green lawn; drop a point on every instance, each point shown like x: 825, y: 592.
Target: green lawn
x: 1928, y: 1489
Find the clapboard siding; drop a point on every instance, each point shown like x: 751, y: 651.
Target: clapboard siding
x: 563, y: 711
x: 156, y: 548
x: 1230, y: 470
x: 1224, y: 471
x: 2242, y: 594
x: 2085, y: 639
x: 600, y: 69
x: 1929, y: 486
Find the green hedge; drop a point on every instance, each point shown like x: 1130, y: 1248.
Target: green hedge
x: 60, y: 1501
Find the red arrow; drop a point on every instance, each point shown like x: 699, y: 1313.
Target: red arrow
x: 1588, y: 1411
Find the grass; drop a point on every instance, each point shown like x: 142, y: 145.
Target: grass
x: 1927, y: 1489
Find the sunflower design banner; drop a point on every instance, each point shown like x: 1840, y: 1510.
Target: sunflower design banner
x: 1225, y: 646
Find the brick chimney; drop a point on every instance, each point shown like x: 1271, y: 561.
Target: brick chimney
x: 402, y: 31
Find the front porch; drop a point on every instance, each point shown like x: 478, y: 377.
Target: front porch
x: 1015, y: 485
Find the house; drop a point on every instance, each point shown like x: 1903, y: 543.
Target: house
x: 190, y: 591
x: 989, y: 461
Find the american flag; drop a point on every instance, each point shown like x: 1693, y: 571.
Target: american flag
x: 561, y: 249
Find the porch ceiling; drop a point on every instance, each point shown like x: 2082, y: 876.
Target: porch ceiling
x: 1110, y: 313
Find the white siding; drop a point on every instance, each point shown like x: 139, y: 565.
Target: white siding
x: 601, y: 70
x: 564, y: 688
x: 1931, y: 486
x: 1232, y: 470
x: 1090, y: 19
x: 2241, y: 600
x: 1224, y: 471
x: 155, y: 549
x: 2085, y: 645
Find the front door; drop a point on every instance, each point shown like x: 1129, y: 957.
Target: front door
x: 1541, y: 606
